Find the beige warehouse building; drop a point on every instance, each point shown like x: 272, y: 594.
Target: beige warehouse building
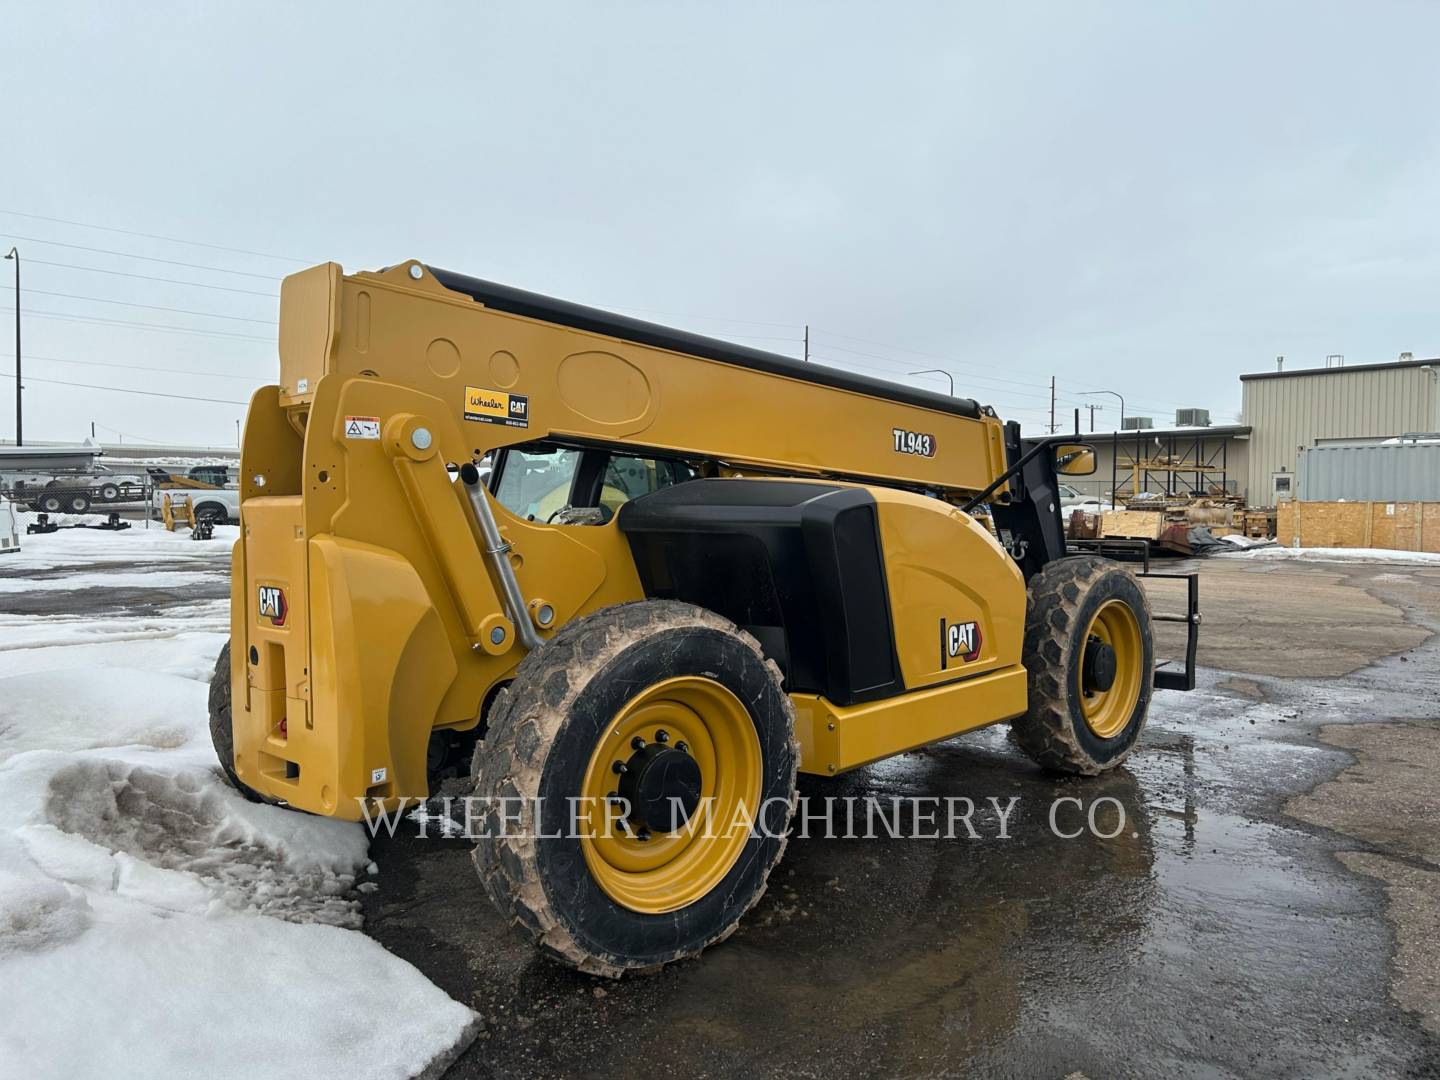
x: 1292, y: 410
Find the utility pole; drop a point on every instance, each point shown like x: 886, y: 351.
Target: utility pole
x: 1093, y: 409
x: 1112, y: 393
x: 807, y: 342
x: 1052, y: 404
x: 19, y: 406
x: 237, y: 433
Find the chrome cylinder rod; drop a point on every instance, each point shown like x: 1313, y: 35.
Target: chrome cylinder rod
x: 497, y: 551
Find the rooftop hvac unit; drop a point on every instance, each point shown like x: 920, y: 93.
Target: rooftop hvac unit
x: 1135, y: 423
x: 1192, y: 417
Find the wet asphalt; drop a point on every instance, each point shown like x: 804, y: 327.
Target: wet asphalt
x: 1213, y: 935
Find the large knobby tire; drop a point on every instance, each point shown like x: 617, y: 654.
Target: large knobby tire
x: 635, y: 685
x: 222, y: 733
x: 1078, y: 608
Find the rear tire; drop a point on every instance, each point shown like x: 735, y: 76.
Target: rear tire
x: 607, y: 686
x: 1079, y: 606
x: 77, y: 502
x: 222, y: 733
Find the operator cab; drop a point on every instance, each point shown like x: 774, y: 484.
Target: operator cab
x: 562, y: 485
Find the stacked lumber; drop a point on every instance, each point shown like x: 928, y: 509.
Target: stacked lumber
x: 1396, y: 526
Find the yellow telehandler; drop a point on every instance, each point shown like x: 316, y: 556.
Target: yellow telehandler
x: 629, y: 580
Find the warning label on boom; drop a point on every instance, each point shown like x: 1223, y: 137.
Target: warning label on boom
x: 362, y: 427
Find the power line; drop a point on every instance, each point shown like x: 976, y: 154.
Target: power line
x: 704, y: 318
x: 154, y: 236
x: 146, y: 258
x: 148, y: 277
x: 123, y: 390
x: 153, y: 307
x: 127, y: 435
x: 938, y: 356
x: 957, y: 367
x: 894, y: 372
x: 140, y: 367
x: 164, y: 328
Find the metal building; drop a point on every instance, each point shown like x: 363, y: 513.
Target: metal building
x: 1404, y: 472
x: 1167, y: 461
x: 1290, y: 411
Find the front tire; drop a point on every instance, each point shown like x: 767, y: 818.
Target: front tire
x: 222, y: 734
x: 662, y: 701
x: 1091, y: 660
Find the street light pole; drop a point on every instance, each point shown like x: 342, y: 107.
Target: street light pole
x: 19, y: 421
x: 1112, y: 393
x: 938, y: 371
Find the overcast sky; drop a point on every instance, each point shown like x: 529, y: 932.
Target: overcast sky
x: 1150, y: 197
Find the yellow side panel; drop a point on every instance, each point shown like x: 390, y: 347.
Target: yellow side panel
x: 382, y: 663
x: 950, y: 582
x: 269, y: 659
x: 835, y: 738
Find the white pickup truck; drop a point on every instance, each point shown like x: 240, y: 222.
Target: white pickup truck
x: 218, y: 505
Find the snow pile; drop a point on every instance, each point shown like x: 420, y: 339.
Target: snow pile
x: 89, y: 548
x: 161, y: 579
x: 153, y: 922
x: 1347, y: 555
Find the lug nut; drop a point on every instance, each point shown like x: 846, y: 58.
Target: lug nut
x: 643, y: 835
x: 683, y: 746
x: 619, y: 767
x: 662, y: 736
x: 637, y: 743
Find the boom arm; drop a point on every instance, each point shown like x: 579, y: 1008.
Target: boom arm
x: 513, y: 367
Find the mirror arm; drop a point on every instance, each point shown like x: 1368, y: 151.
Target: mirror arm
x: 984, y: 496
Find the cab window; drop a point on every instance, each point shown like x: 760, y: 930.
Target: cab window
x: 628, y: 478
x: 535, y: 483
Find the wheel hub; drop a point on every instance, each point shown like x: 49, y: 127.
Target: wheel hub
x: 1099, y: 667
x: 661, y: 784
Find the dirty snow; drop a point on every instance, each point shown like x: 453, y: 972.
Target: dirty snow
x: 89, y: 549
x: 1365, y: 555
x: 74, y: 581
x: 153, y: 922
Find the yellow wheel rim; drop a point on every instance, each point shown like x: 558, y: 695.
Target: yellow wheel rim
x: 665, y: 871
x: 1107, y: 711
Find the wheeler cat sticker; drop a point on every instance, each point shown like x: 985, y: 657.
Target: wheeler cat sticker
x: 496, y: 407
